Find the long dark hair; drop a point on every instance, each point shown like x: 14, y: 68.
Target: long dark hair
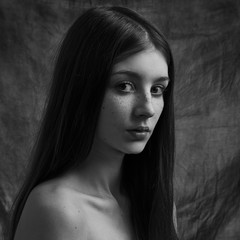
x: 98, y: 39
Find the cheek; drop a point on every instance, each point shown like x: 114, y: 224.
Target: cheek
x: 159, y: 107
x: 158, y: 110
x: 114, y: 109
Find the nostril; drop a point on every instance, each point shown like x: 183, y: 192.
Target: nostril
x: 144, y: 106
x: 145, y: 110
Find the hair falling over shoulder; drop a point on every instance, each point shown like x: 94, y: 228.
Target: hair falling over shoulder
x: 98, y: 39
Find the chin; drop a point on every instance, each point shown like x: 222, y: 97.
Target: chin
x: 134, y: 148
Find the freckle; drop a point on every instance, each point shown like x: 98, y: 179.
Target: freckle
x: 75, y: 227
x: 78, y: 211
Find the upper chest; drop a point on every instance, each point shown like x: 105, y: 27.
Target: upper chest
x: 105, y: 219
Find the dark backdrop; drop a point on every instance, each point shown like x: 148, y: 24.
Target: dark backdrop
x: 205, y: 38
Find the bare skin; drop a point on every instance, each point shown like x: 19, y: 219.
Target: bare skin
x: 55, y: 210
x: 86, y: 203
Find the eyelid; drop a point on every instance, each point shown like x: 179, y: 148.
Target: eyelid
x: 127, y: 83
x: 162, y: 87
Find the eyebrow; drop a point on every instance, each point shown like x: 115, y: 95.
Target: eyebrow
x: 138, y: 76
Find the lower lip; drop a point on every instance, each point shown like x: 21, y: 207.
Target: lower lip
x: 138, y: 135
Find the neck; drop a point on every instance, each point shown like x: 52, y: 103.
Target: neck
x: 101, y: 172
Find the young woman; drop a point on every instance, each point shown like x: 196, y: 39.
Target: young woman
x: 103, y: 162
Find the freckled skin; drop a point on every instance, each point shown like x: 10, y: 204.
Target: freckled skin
x: 122, y: 111
x: 86, y: 203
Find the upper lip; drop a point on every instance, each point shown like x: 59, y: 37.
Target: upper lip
x: 140, y: 129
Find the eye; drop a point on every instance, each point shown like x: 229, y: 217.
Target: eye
x: 158, y: 90
x: 126, y: 87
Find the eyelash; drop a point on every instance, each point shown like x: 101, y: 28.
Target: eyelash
x: 124, y: 84
x: 162, y: 87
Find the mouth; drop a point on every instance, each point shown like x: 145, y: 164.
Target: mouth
x: 139, y: 133
x: 140, y: 129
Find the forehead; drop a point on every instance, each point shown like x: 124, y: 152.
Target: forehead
x: 148, y: 63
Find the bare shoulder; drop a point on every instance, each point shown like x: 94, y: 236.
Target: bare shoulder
x: 51, y: 213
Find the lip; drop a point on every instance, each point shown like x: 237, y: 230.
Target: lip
x: 139, y: 133
x: 140, y: 129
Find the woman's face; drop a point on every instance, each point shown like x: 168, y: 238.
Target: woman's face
x: 133, y: 102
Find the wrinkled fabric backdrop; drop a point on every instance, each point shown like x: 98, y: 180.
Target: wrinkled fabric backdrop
x: 205, y: 39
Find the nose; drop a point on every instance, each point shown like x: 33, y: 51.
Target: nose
x: 144, y: 107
